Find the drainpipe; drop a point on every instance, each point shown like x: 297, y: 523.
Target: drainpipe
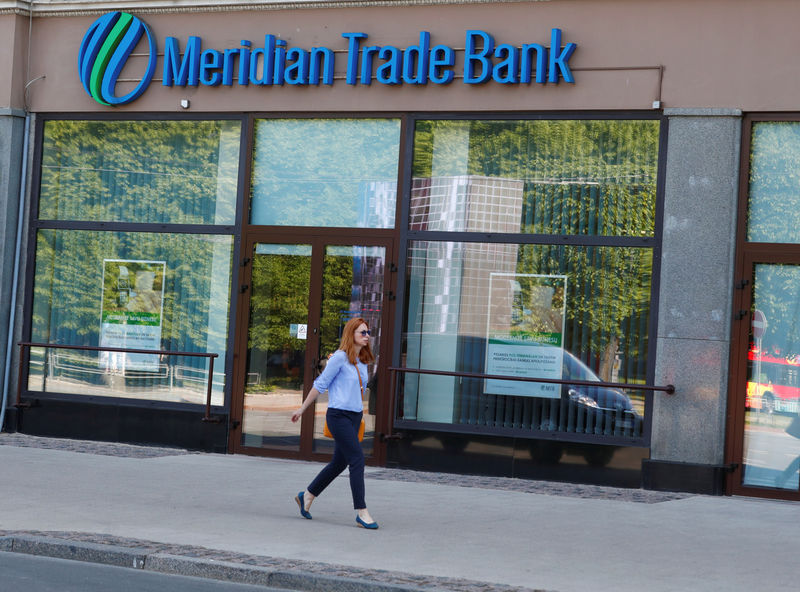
x: 17, y: 256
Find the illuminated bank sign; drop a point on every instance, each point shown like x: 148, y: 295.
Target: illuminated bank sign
x: 271, y: 61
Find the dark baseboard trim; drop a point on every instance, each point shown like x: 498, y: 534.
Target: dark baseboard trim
x: 123, y: 424
x: 661, y: 475
x: 11, y: 419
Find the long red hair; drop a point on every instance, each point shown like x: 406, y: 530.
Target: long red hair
x: 348, y: 342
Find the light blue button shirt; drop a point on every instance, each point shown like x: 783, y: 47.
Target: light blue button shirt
x: 339, y: 378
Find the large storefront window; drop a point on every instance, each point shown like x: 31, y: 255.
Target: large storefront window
x: 165, y: 172
x: 569, y: 299
x: 510, y: 309
x: 331, y: 173
x: 170, y: 292
x: 160, y: 286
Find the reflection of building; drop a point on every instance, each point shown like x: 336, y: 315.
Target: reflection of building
x: 456, y: 276
x: 377, y: 201
x: 450, y: 281
x: 366, y: 298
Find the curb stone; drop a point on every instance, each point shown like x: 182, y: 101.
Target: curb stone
x: 262, y: 576
x: 79, y: 551
x: 379, y: 580
x: 189, y: 566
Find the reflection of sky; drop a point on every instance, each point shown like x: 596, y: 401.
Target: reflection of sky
x: 325, y: 173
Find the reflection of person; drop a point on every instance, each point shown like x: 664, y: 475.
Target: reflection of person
x: 343, y: 377
x: 793, y: 430
x: 145, y: 299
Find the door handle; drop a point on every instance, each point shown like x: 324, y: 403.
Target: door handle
x: 384, y: 437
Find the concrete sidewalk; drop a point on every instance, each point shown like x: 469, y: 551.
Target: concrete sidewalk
x: 207, y: 514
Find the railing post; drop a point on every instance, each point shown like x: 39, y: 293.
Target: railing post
x: 210, y: 389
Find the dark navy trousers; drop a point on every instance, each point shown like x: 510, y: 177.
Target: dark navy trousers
x: 347, y: 452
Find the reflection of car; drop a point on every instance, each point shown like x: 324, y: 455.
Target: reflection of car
x: 599, y: 409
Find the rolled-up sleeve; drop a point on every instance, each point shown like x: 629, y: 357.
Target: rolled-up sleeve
x: 332, y: 368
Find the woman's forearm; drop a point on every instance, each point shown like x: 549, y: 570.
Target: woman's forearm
x: 312, y: 396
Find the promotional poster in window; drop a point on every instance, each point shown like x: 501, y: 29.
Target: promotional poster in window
x: 525, y: 333
x: 133, y: 304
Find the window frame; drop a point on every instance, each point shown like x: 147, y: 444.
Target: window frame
x: 747, y: 254
x: 653, y: 242
x: 35, y: 224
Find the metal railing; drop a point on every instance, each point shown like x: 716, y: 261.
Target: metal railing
x: 26, y: 345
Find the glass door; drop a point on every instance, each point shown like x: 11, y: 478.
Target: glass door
x: 352, y: 286
x: 277, y: 345
x: 763, y: 447
x: 299, y: 296
x: 771, y: 391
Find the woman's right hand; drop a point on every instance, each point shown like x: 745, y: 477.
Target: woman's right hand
x: 312, y: 396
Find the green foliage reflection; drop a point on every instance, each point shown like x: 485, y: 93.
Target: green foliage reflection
x: 774, y: 208
x: 577, y: 177
x: 68, y: 285
x: 176, y: 172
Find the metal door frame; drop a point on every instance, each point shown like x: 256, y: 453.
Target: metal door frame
x: 318, y: 239
x: 747, y: 255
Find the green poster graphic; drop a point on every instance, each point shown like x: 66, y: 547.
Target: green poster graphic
x: 132, y: 312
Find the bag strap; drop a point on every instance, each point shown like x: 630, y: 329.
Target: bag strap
x: 360, y: 383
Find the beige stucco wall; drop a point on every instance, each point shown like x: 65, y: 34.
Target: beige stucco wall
x: 13, y: 48
x: 737, y: 54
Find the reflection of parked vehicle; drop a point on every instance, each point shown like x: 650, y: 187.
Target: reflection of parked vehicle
x: 597, y: 409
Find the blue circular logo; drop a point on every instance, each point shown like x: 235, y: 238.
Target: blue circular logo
x: 104, y: 51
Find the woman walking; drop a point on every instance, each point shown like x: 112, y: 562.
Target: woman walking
x: 344, y: 378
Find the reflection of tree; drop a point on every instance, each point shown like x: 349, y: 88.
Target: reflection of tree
x: 777, y: 295
x: 337, y: 284
x: 592, y: 178
x: 177, y: 172
x: 170, y: 172
x: 68, y: 284
x: 279, y: 298
x: 774, y: 212
x: 608, y: 294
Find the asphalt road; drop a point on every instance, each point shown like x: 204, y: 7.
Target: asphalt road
x: 28, y: 573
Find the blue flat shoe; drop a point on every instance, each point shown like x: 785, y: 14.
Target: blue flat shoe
x: 367, y: 525
x: 301, y: 502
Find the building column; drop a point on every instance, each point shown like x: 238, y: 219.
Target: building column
x: 695, y: 299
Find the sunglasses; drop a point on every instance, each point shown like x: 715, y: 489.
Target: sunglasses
x: 363, y: 332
